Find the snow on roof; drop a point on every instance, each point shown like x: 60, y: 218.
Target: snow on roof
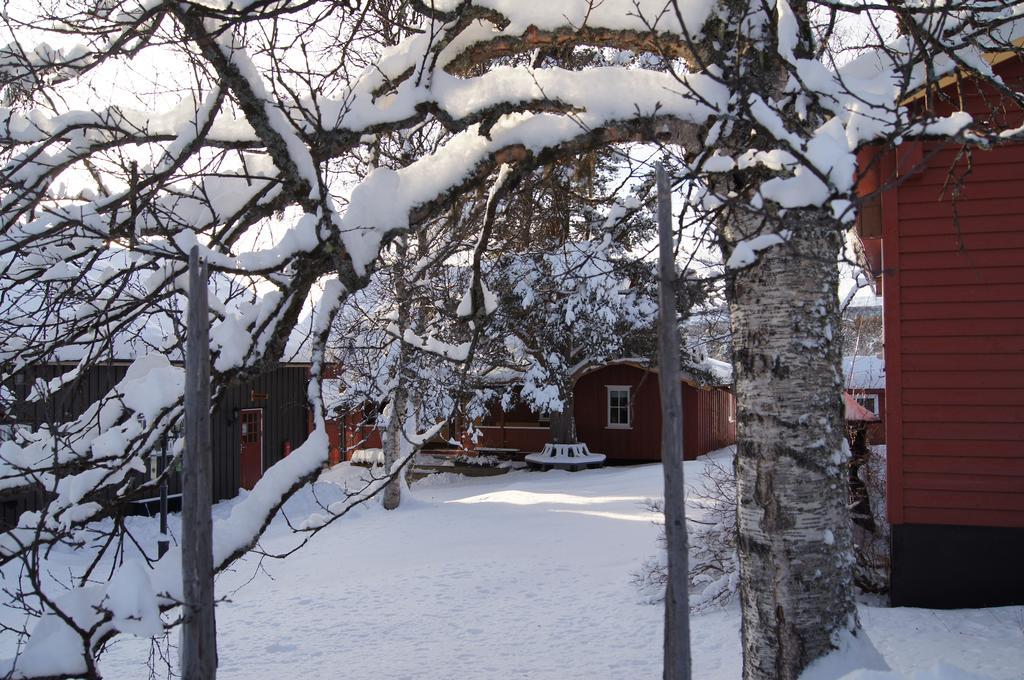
x: 503, y: 375
x: 720, y: 370
x: 864, y: 373
x: 855, y: 412
x: 157, y: 332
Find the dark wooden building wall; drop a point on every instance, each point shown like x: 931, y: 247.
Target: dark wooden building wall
x: 281, y: 393
x: 68, y: 403
x: 12, y: 506
x: 954, y: 331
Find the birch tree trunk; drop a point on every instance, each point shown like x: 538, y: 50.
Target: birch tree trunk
x: 392, y: 443
x: 795, y: 539
x: 395, y: 430
x: 794, y: 532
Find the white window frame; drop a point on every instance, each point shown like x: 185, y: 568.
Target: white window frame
x: 872, y: 397
x: 628, y: 425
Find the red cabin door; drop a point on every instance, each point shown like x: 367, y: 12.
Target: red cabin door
x: 252, y: 447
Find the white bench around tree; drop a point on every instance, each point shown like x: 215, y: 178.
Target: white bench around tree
x: 565, y: 457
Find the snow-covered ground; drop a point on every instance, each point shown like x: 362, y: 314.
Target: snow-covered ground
x: 525, y: 575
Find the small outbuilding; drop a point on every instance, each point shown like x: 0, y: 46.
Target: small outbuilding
x: 617, y: 409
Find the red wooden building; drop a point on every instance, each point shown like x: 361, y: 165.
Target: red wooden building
x: 617, y: 409
x: 865, y: 381
x: 355, y: 431
x: 951, y: 274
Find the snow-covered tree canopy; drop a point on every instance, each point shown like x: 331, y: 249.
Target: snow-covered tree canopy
x: 366, y: 352
x: 133, y: 130
x: 569, y: 305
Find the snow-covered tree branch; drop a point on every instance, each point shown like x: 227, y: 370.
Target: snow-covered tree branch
x: 132, y: 131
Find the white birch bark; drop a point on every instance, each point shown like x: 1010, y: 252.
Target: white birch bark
x: 795, y: 548
x: 397, y: 409
x: 392, y: 444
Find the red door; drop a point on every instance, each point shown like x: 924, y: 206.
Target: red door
x: 252, y: 447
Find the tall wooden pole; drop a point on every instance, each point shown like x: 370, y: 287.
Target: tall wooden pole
x: 677, y: 600
x: 198, y: 630
x: 163, y: 543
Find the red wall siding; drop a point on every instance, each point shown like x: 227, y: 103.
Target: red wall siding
x: 708, y: 416
x: 709, y: 421
x: 333, y: 440
x: 954, y: 340
x: 984, y: 102
x: 359, y: 434
x: 642, y: 440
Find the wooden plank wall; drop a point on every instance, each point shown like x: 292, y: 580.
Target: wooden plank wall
x: 709, y: 419
x: 281, y: 393
x: 954, y: 305
x: 642, y: 440
x: 285, y: 412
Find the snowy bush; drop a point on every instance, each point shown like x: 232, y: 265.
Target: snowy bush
x: 367, y: 457
x: 872, y: 546
x: 479, y: 461
x: 714, y: 566
x: 714, y: 569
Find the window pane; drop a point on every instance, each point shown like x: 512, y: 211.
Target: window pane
x: 618, y: 407
x: 870, y: 402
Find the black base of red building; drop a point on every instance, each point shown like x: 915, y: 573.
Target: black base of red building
x: 943, y: 566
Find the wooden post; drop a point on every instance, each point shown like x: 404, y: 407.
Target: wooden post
x: 198, y: 630
x: 677, y: 601
x: 163, y: 544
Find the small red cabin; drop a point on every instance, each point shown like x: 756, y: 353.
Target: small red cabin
x: 617, y: 408
x: 947, y: 245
